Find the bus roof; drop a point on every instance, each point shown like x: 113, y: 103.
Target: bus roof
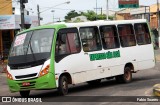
x: 104, y: 22
x: 83, y: 24
x: 57, y: 26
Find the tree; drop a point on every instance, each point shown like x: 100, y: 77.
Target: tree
x: 91, y: 15
x: 71, y: 14
x: 78, y: 20
x: 101, y: 17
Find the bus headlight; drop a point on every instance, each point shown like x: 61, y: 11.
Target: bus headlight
x: 9, y: 76
x: 44, y: 71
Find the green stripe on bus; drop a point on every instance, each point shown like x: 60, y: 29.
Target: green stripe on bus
x: 52, y: 62
x: 107, y: 55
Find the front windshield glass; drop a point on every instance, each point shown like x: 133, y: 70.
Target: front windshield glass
x: 38, y: 41
x: 31, y: 48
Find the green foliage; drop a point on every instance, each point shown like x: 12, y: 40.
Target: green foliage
x: 101, y: 17
x: 78, y: 20
x: 71, y: 14
x: 91, y: 15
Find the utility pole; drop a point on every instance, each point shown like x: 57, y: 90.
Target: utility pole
x: 101, y: 13
x: 100, y: 9
x: 22, y: 6
x: 147, y: 12
x: 107, y: 10
x: 39, y: 12
x: 53, y: 15
x: 59, y: 19
x: 158, y: 20
x: 96, y: 9
x: 38, y: 15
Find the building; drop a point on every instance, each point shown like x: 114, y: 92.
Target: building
x: 146, y: 12
x: 123, y: 14
x: 5, y: 7
x: 79, y: 19
x: 6, y: 36
x: 10, y: 25
x: 143, y: 12
x: 154, y: 16
x: 110, y: 12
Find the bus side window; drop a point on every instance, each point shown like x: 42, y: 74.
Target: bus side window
x: 126, y: 34
x: 90, y: 39
x: 142, y: 34
x: 67, y: 42
x: 109, y: 37
x: 61, y: 44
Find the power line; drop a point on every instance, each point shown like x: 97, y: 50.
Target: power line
x: 33, y: 3
x: 74, y: 9
x: 113, y: 3
x: 65, y: 9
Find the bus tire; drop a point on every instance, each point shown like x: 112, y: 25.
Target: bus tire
x: 126, y: 77
x: 63, y: 85
x: 94, y: 82
x: 25, y: 93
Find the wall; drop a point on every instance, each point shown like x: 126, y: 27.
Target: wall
x: 154, y: 19
x: 154, y: 22
x: 5, y: 7
x: 123, y: 16
x: 6, y: 26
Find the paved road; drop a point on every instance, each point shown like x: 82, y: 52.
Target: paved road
x: 142, y: 84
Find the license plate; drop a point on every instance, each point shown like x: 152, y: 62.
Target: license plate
x: 25, y: 84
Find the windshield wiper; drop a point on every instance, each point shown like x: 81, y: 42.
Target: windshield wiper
x: 32, y: 52
x: 29, y: 45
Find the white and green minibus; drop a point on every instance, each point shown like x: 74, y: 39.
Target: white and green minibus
x: 57, y: 55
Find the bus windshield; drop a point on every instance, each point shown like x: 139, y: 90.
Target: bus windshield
x: 31, y: 48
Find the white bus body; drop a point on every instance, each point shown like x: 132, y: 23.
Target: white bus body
x: 120, y: 49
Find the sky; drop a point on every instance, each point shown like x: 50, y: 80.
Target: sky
x: 60, y: 9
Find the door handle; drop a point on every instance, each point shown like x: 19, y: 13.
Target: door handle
x: 134, y: 59
x: 99, y: 66
x: 102, y: 71
x: 85, y: 53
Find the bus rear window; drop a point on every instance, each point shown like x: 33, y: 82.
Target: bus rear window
x: 142, y: 33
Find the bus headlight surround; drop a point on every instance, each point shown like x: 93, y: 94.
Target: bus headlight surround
x: 9, y: 76
x: 44, y: 71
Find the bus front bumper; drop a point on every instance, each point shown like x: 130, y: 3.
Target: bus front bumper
x: 45, y: 82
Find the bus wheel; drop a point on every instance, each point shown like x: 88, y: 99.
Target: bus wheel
x: 126, y: 77
x: 94, y: 82
x: 63, y: 85
x: 25, y: 93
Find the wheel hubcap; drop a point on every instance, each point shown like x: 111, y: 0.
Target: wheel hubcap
x: 64, y: 85
x: 127, y: 75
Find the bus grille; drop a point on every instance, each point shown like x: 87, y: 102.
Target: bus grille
x: 31, y: 86
x: 26, y: 76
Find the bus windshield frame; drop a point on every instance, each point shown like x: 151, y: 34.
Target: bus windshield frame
x: 31, y: 48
